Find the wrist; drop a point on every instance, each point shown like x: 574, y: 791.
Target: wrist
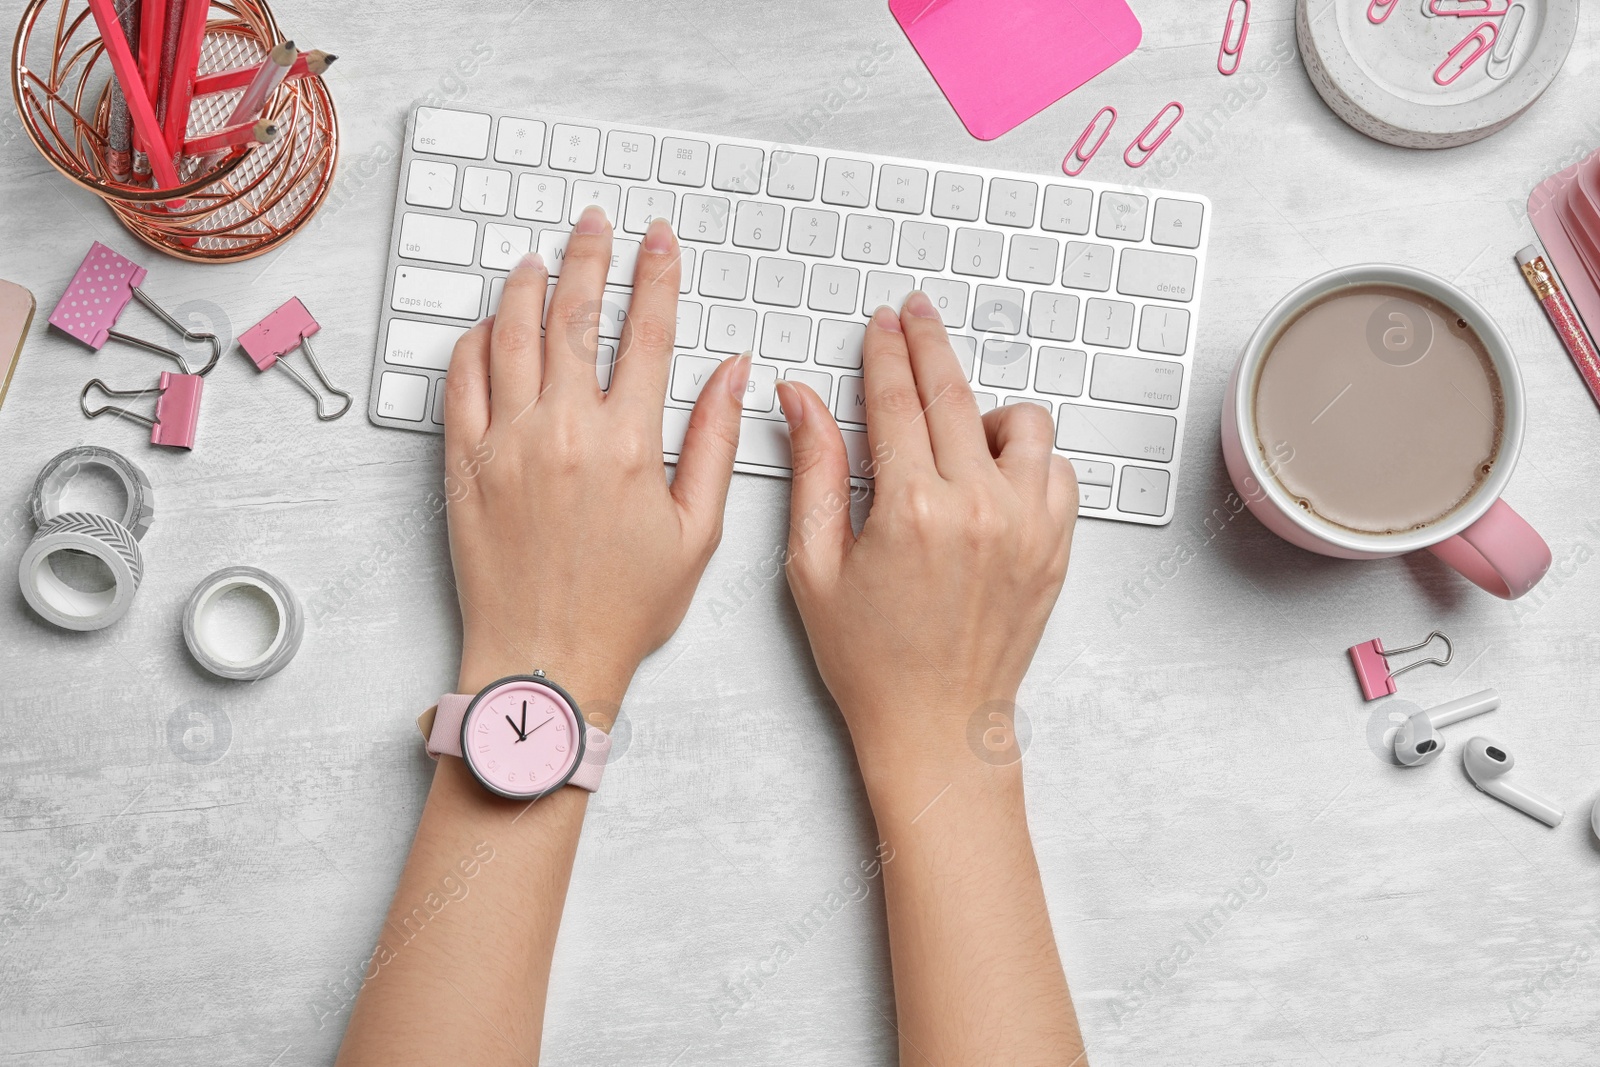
x: 596, y: 683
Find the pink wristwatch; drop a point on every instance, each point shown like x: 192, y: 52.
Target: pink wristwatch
x: 521, y: 737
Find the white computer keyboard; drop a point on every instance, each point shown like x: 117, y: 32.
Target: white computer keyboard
x: 1078, y: 296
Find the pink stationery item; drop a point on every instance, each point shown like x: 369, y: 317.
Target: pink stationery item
x: 126, y: 71
x: 101, y: 287
x: 288, y: 328
x: 177, y: 407
x: 1480, y: 40
x: 1469, y: 8
x: 1370, y: 660
x: 180, y: 92
x: 1078, y: 159
x: 1000, y: 62
x: 1565, y: 209
x: 1143, y: 145
x: 1379, y: 11
x: 1547, y: 290
x: 1236, y: 53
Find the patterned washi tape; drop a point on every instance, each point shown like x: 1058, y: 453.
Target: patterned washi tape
x: 199, y: 625
x: 52, y: 482
x: 70, y: 608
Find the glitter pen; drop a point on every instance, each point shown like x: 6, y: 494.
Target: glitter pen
x: 1547, y: 289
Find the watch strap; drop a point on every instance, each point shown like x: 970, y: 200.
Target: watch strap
x: 443, y: 733
x: 444, y: 738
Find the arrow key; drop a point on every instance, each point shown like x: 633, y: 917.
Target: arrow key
x: 1144, y: 491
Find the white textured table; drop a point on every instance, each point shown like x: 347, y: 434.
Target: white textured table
x: 174, y: 895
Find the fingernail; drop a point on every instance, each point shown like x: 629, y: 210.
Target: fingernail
x: 794, y: 406
x: 531, y: 261
x: 658, y: 238
x: 739, y: 377
x: 885, y: 319
x: 593, y: 220
x: 919, y: 305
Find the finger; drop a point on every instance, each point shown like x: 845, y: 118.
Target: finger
x: 706, y: 464
x: 1061, y: 496
x: 516, y: 351
x: 572, y: 328
x: 955, y: 427
x: 1020, y: 438
x: 644, y: 357
x: 894, y: 412
x: 819, y: 500
x: 466, y: 390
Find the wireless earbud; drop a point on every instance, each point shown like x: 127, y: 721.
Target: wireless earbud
x: 1418, y: 742
x: 1488, y: 764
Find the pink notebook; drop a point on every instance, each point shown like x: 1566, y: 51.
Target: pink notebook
x: 1565, y: 209
x: 1000, y: 62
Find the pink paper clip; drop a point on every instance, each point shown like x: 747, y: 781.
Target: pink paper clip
x: 1149, y: 149
x: 1078, y: 156
x: 1372, y: 666
x: 1236, y: 53
x: 102, y: 286
x: 1470, y: 8
x: 280, y: 333
x: 1379, y: 11
x: 177, y: 407
x: 1458, y: 67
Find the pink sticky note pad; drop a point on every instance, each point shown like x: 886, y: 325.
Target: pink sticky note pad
x: 1000, y: 62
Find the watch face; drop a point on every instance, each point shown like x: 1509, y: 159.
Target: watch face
x: 522, y: 738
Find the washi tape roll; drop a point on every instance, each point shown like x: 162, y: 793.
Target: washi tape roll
x: 1415, y: 79
x: 48, y: 488
x: 64, y: 605
x: 200, y: 625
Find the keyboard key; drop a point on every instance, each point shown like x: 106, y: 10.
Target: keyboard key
x: 497, y: 287
x: 504, y: 245
x: 999, y: 310
x: 687, y: 334
x: 519, y: 141
x: 540, y: 197
x: 793, y: 175
x: 605, y: 362
x: 704, y: 218
x: 1060, y: 372
x: 1122, y: 216
x: 987, y: 402
x: 1066, y: 209
x: 1177, y: 223
x: 779, y: 281
x: 442, y: 132
x: 689, y: 376
x: 1108, y: 322
x: 1093, y: 471
x: 421, y: 344
x: 586, y: 193
x: 786, y: 337
x: 403, y: 396
x: 922, y: 245
x: 613, y: 312
x: 1033, y: 259
x: 1114, y: 432
x: 834, y: 288
x: 819, y: 381
x: 629, y: 155
x: 758, y: 225
x: 731, y: 330
x: 438, y: 403
x: 1153, y: 383
x: 1087, y: 266
x: 902, y: 189
x: 1162, y: 275
x: 764, y: 442
x: 846, y: 182
x: 1164, y: 330
x: 685, y: 268
x: 1097, y: 497
x: 1005, y: 365
x: 674, y: 427
x: 437, y: 239
x: 553, y: 248
x: 575, y: 148
x: 644, y: 206
x: 738, y: 169
x: 839, y: 343
x: 431, y: 183
x: 725, y: 275
x: 950, y: 297
x: 852, y: 403
x: 868, y: 238
x: 1053, y: 316
x: 683, y: 162
x: 1035, y: 401
x: 813, y: 232
x: 978, y: 253
x: 1144, y: 490
x: 966, y: 350
x: 485, y: 191
x: 760, y: 389
x: 1011, y: 202
x: 886, y: 288
x: 624, y: 260
x: 957, y: 195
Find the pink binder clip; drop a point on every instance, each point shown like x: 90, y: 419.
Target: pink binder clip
x: 1469, y: 8
x: 1236, y: 53
x: 177, y: 407
x: 1145, y: 146
x: 1078, y: 159
x: 1372, y: 666
x: 280, y: 333
x: 1484, y: 36
x: 104, y: 283
x: 1379, y: 11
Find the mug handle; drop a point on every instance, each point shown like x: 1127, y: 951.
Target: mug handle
x: 1500, y: 553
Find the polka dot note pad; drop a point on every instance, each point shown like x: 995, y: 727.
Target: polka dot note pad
x: 97, y: 294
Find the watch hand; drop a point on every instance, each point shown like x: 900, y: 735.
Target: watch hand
x: 545, y: 723
x: 521, y: 737
x: 524, y: 718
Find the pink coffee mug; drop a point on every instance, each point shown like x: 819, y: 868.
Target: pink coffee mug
x: 1484, y: 539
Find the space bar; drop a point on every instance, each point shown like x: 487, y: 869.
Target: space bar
x: 761, y: 441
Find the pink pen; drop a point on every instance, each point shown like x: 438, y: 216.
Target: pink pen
x: 1547, y: 290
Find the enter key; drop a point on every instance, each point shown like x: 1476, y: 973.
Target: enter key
x: 1151, y: 383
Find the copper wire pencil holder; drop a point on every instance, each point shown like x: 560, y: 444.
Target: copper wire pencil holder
x: 240, y: 206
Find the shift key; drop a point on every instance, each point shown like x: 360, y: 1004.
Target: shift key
x: 445, y: 293
x: 1109, y: 432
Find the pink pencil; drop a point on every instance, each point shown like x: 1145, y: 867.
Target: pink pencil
x: 127, y: 72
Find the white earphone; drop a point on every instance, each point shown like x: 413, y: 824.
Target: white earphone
x: 1418, y: 742
x: 1487, y: 763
